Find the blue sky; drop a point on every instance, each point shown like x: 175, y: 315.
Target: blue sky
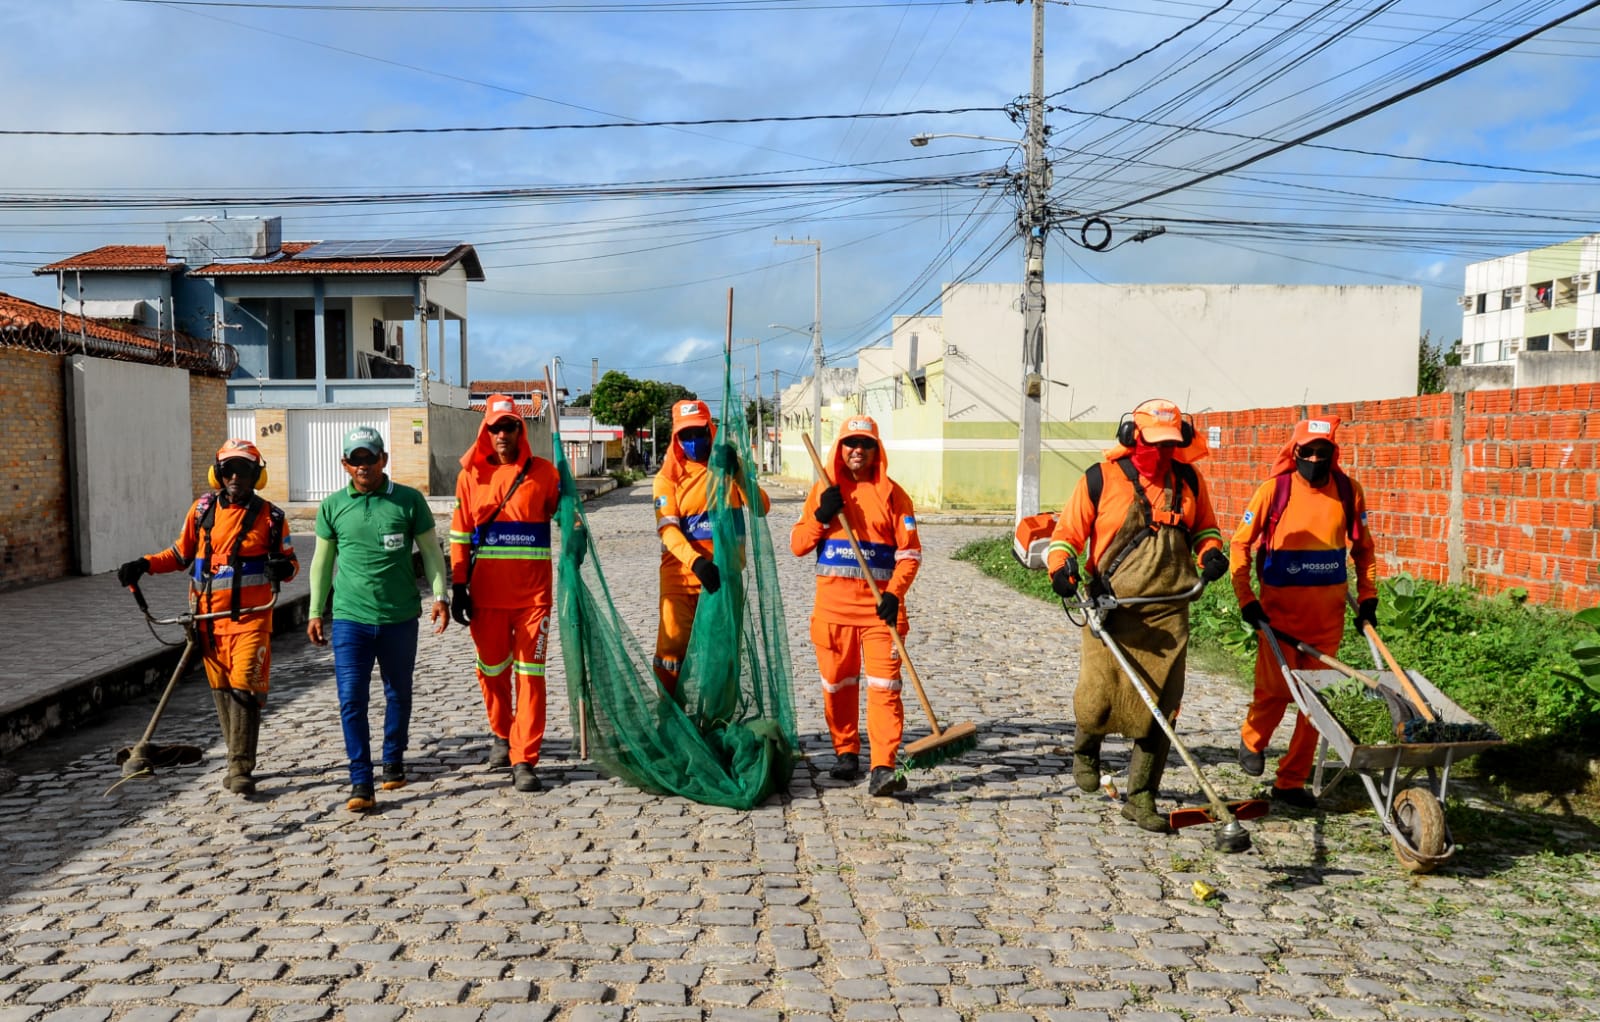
x: 639, y: 281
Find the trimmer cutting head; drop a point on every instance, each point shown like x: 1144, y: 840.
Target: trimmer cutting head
x: 1232, y: 838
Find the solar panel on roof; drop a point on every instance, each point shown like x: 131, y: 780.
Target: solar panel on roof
x: 381, y: 248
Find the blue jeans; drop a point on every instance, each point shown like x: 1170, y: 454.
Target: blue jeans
x: 355, y: 647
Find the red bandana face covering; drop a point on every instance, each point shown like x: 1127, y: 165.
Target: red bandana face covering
x: 1152, y: 462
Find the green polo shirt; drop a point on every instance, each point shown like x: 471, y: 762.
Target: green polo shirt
x: 372, y: 535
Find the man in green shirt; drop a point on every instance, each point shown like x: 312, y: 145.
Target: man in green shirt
x: 368, y: 528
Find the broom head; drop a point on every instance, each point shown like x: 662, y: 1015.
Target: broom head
x: 953, y: 741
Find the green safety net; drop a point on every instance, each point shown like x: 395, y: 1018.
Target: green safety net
x: 729, y: 737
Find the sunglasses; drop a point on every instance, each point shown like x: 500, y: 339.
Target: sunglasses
x: 361, y: 459
x: 236, y: 467
x: 505, y: 426
x: 859, y: 443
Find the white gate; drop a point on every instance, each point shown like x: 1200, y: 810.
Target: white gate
x: 316, y: 447
x: 242, y: 425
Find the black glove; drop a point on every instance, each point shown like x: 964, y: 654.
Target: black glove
x: 1213, y: 565
x: 889, y: 608
x: 1064, y: 580
x: 829, y: 505
x: 460, y: 604
x: 279, y: 569
x: 1367, y: 613
x: 130, y: 573
x: 580, y: 546
x: 710, y: 578
x: 1253, y: 615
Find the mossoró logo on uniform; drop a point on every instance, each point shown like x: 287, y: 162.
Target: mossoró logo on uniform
x: 394, y: 541
x: 502, y: 538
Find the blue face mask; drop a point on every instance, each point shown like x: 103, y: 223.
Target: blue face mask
x: 696, y: 449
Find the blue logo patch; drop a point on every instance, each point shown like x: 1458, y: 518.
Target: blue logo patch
x: 661, y: 502
x: 911, y: 523
x: 1249, y: 516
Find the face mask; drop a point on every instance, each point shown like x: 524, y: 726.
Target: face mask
x: 1152, y: 462
x: 697, y: 449
x: 1314, y: 472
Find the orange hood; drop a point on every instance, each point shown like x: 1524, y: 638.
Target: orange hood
x: 481, y: 453
x: 860, y: 425
x: 1325, y: 427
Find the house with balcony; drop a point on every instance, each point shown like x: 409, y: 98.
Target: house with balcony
x: 1533, y: 318
x: 320, y: 337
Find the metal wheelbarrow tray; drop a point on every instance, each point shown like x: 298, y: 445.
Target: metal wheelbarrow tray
x: 1413, y: 814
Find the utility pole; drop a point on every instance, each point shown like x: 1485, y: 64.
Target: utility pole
x: 594, y: 378
x: 816, y: 334
x: 1034, y: 224
x: 761, y: 439
x: 777, y: 423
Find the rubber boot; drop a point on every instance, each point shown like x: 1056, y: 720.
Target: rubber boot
x: 1145, y: 767
x: 1086, y: 761
x: 241, y: 726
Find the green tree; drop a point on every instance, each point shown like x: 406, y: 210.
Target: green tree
x: 623, y: 401
x: 1431, y: 362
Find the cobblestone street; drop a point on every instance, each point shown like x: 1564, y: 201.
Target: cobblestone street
x: 992, y: 890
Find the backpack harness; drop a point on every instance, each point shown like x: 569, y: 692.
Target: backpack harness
x: 1280, y: 500
x: 1171, y: 516
x: 207, y: 508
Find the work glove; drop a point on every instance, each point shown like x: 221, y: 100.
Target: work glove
x: 1367, y: 613
x: 460, y: 604
x: 1064, y: 580
x: 1213, y: 565
x: 889, y: 608
x: 279, y: 569
x: 726, y: 458
x: 710, y: 578
x: 130, y: 573
x: 580, y: 547
x: 1253, y: 615
x: 829, y: 505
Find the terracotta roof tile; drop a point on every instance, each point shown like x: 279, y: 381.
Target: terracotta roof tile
x: 19, y: 313
x: 286, y: 264
x: 116, y: 257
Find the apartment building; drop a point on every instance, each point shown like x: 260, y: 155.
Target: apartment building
x: 1541, y: 300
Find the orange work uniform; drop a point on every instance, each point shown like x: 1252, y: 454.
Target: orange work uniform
x: 682, y: 493
x: 1303, y: 581
x: 509, y: 583
x: 237, y: 652
x: 1076, y: 532
x: 849, y: 637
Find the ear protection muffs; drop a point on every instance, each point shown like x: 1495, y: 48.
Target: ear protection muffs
x: 1128, y: 433
x: 214, y: 476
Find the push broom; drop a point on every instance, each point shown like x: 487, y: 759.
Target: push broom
x: 941, y: 745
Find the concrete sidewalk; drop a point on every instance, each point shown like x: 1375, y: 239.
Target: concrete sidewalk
x: 74, y: 647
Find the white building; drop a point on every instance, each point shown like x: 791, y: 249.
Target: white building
x: 1540, y: 300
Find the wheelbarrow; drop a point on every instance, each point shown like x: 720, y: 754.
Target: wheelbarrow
x: 1411, y: 809
x: 143, y: 757
x: 1232, y: 836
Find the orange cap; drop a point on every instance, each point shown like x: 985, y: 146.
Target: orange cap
x: 239, y: 449
x: 859, y: 425
x: 690, y: 413
x: 499, y: 406
x: 1310, y: 430
x: 1159, y: 421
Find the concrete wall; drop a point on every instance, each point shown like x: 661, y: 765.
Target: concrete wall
x: 1552, y: 368
x: 1109, y: 347
x: 131, y: 458
x: 35, y: 518
x: 453, y: 431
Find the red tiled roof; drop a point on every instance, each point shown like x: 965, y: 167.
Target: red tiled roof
x: 287, y: 265
x: 115, y: 257
x: 21, y: 314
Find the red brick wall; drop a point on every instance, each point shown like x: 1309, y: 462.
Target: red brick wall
x: 1519, y: 510
x: 35, y: 542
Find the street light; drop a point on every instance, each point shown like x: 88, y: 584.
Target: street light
x: 921, y: 140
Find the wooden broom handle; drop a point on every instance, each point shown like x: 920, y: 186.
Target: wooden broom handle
x: 866, y: 573
x: 1399, y: 673
x: 583, y: 701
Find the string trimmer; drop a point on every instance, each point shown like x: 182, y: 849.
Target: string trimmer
x: 1232, y: 836
x: 944, y: 743
x: 143, y: 757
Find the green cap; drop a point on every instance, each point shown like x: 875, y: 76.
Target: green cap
x: 363, y: 437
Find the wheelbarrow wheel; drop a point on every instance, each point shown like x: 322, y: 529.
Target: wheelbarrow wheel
x: 1418, y: 815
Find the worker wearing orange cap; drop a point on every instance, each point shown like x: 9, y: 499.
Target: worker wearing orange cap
x: 1140, y: 522
x: 682, y: 494
x: 849, y: 629
x: 1299, y: 530
x: 500, y: 581
x: 236, y: 547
